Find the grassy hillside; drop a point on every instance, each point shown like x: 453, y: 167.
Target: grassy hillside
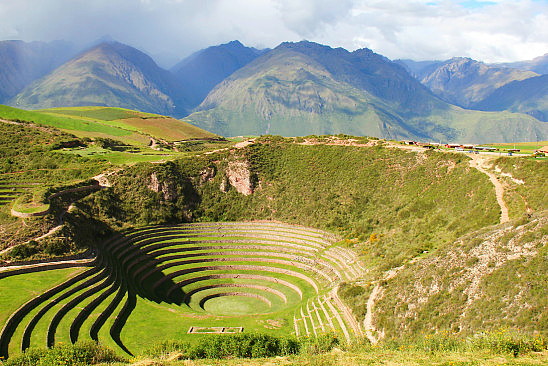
x: 494, y: 279
x: 31, y: 164
x: 62, y: 122
x: 131, y: 127
x: 428, y: 209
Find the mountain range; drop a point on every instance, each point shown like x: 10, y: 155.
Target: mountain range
x: 476, y: 85
x: 294, y: 89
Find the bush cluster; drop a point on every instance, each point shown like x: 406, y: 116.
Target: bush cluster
x: 79, y: 354
x: 245, y: 345
x: 502, y: 341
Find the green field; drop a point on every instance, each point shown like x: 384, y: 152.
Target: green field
x: 160, y: 127
x: 61, y: 122
x: 525, y: 147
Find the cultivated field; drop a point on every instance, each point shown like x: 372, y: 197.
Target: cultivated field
x: 157, y: 126
x: 181, y: 281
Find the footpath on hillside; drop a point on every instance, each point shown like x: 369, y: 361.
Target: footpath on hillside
x: 479, y: 162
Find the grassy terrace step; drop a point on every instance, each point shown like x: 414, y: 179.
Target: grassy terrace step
x: 204, y: 274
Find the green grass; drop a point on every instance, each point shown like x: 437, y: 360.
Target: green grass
x: 121, y: 157
x: 132, y: 127
x: 16, y: 290
x: 100, y: 113
x: 64, y: 123
x: 428, y: 203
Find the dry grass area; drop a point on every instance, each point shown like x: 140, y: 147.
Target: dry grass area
x: 166, y: 128
x: 338, y: 357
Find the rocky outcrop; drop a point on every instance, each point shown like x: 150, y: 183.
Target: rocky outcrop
x: 168, y: 189
x: 207, y: 174
x: 239, y: 176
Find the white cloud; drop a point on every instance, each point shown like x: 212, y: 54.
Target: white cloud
x: 491, y: 30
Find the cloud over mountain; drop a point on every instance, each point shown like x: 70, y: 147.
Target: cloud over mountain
x: 491, y: 31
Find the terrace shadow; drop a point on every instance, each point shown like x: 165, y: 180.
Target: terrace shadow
x: 136, y: 275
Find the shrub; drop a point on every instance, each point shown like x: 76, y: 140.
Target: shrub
x: 57, y: 247
x: 507, y: 341
x: 79, y: 354
x: 24, y: 250
x: 30, y: 357
x: 249, y: 345
x: 321, y: 344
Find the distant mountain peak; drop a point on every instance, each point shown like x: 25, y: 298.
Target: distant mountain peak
x: 109, y: 74
x: 203, y: 70
x: 304, y: 44
x: 234, y: 43
x: 464, y: 81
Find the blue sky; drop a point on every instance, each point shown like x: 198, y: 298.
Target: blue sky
x: 488, y: 30
x: 472, y: 4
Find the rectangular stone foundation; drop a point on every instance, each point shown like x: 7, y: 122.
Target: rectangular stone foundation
x: 215, y: 330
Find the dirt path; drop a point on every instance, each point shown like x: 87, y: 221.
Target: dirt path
x: 238, y: 145
x: 368, y: 321
x: 478, y: 162
x: 368, y: 325
x: 10, y: 122
x: 83, y: 262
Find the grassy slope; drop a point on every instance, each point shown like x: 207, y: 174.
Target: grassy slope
x: 161, y: 127
x: 61, y: 122
x: 429, y: 202
x: 505, y: 264
x: 525, y: 181
x: 17, y: 290
x: 30, y: 163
